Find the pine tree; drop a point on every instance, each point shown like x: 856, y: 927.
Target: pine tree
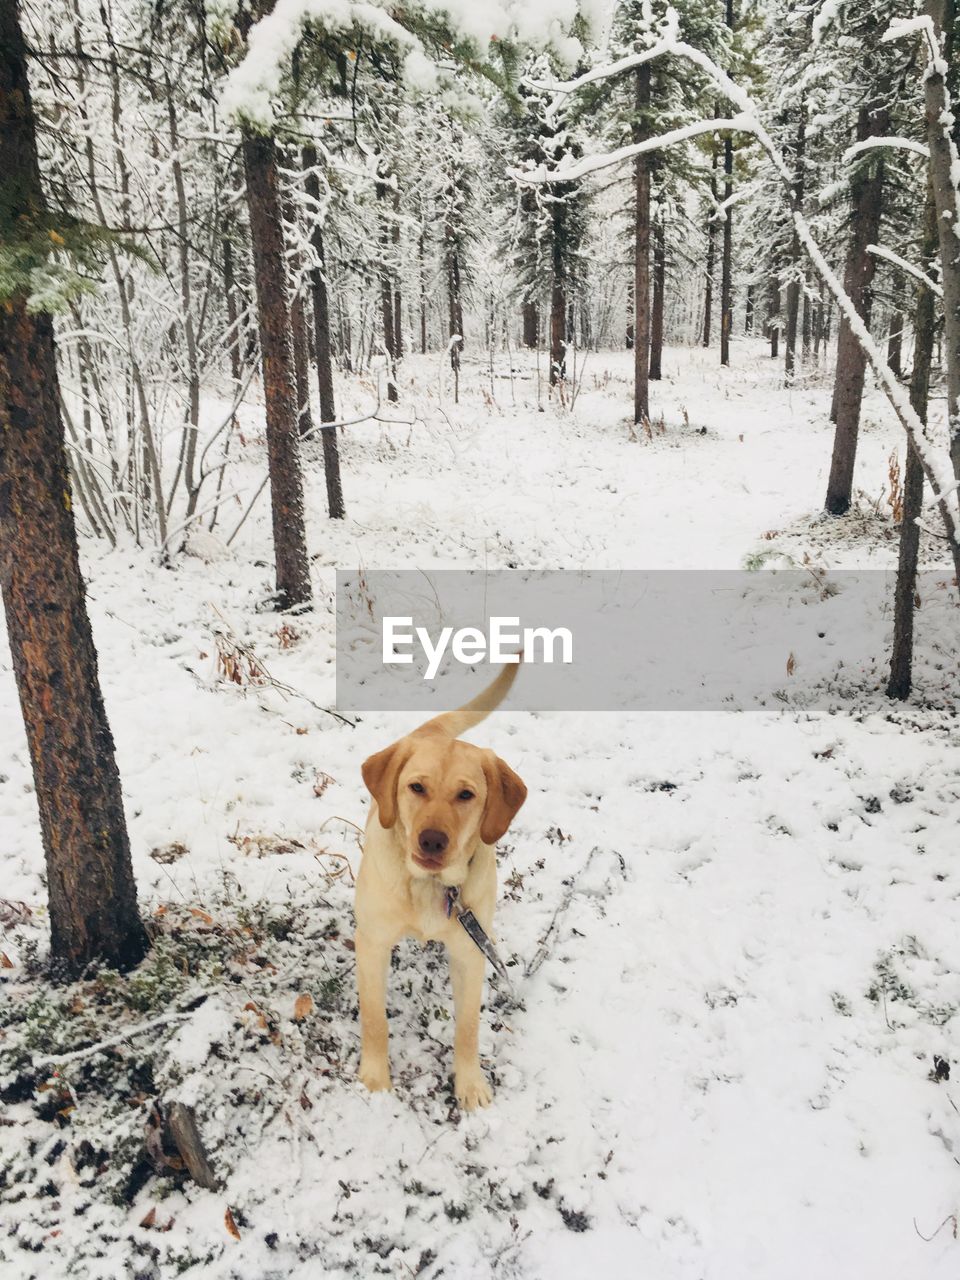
x: 92, y: 892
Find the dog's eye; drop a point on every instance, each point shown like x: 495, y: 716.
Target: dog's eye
x: 465, y: 795
x: 417, y: 788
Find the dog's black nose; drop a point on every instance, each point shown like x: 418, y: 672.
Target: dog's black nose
x: 433, y: 843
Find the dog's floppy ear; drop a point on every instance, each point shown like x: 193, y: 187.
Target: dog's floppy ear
x: 380, y: 773
x: 505, y: 794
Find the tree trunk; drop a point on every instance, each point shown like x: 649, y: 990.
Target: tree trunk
x: 711, y: 249
x: 558, y: 330
x: 806, y: 325
x: 895, y: 344
x: 901, y: 658
x: 641, y: 276
x: 387, y: 311
x: 748, y: 310
x: 397, y: 294
x: 794, y: 286
x: 895, y: 332
x: 943, y: 168
x: 454, y: 303
x: 233, y: 327
x: 773, y: 315
x: 279, y: 382
x: 819, y: 319
x: 321, y: 328
x: 726, y: 274
x: 423, y: 290
x: 301, y: 362
x: 233, y: 347
x: 92, y: 892
x: 793, y: 316
x: 631, y: 315
x: 531, y: 324
x: 659, y: 281
x: 867, y: 185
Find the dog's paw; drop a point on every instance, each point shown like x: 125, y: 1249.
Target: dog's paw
x: 375, y: 1075
x: 472, y: 1089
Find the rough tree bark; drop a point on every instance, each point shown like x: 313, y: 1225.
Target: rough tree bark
x: 279, y: 382
x: 901, y: 657
x: 321, y: 329
x: 92, y: 892
x: 641, y: 274
x: 867, y: 191
x: 659, y: 282
x: 748, y: 309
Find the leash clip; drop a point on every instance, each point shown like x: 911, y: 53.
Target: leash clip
x: 475, y: 931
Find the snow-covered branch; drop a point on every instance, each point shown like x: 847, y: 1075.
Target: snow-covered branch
x: 891, y: 143
x: 902, y: 264
x: 570, y: 172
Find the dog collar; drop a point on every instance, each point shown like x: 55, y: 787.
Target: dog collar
x: 474, y: 930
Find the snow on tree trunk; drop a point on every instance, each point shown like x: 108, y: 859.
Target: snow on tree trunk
x: 388, y: 315
x: 558, y: 325
x: 726, y: 270
x: 945, y: 168
x: 321, y: 340
x: 901, y: 658
x: 92, y: 892
x: 641, y: 277
x: 867, y: 191
x: 279, y: 381
x: 298, y: 319
x: 796, y: 255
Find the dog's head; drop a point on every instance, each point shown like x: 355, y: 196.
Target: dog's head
x: 444, y: 796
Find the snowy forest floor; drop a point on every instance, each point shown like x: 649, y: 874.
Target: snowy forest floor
x: 731, y: 1059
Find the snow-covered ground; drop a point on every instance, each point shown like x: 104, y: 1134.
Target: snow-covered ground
x: 735, y: 935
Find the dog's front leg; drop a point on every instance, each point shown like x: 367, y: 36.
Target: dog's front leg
x: 373, y: 963
x: 466, y: 972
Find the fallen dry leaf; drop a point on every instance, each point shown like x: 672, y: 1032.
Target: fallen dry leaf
x: 149, y: 1219
x: 250, y: 1007
x: 5, y: 961
x: 303, y: 1007
x: 230, y: 1224
x: 791, y: 665
x: 201, y: 915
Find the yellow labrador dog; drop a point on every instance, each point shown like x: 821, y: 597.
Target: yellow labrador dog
x: 440, y: 807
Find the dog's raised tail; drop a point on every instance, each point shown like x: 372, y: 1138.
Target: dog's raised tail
x: 472, y: 713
